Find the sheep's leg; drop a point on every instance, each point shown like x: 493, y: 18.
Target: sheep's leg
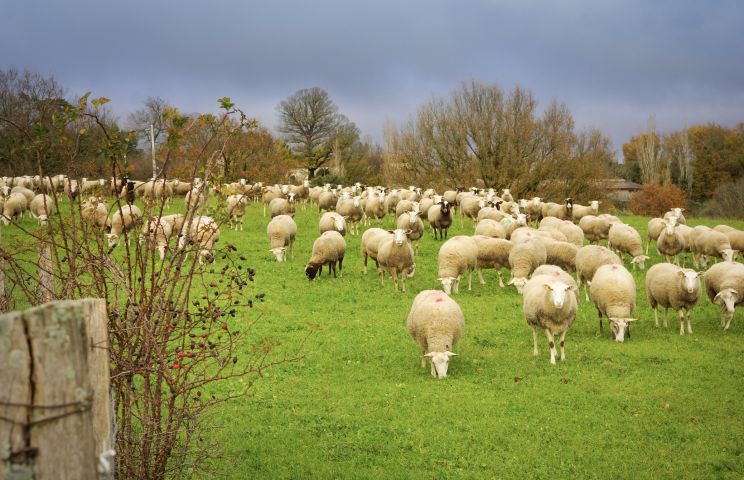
x: 563, y: 351
x: 586, y: 292
x: 731, y: 317
x: 501, y: 279
x: 656, y: 315
x: 551, y: 343
x: 676, y: 259
x: 433, y: 370
x: 265, y: 211
x: 333, y: 266
x: 682, y: 322
x: 395, y: 277
x: 600, y: 320
x: 423, y: 358
x: 480, y: 275
x: 648, y: 242
x: 341, y: 268
x: 470, y: 279
x: 665, y: 317
x: 365, y: 262
x: 689, y: 327
x: 382, y: 275
x: 534, y: 336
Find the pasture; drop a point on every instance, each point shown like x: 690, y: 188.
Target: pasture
x: 360, y: 405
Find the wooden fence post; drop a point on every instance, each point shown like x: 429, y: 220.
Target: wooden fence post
x: 99, y: 372
x: 47, y: 425
x: 2, y: 272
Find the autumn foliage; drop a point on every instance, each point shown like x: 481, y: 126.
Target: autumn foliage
x: 653, y: 200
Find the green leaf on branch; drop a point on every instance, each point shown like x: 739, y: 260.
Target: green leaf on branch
x: 225, y: 103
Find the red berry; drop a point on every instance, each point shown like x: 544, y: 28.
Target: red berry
x: 198, y: 394
x: 224, y: 327
x: 181, y: 355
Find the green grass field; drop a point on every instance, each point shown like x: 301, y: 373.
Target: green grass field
x: 659, y: 405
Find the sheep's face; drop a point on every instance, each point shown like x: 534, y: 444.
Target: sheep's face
x: 677, y: 212
x: 113, y: 239
x: 445, y: 207
x: 536, y: 201
x: 727, y: 297
x: 285, y: 189
x: 43, y: 219
x: 400, y: 236
x: 291, y: 198
x: 440, y: 362
x: 522, y: 203
x: 339, y: 223
x: 558, y: 292
x: 412, y: 216
x: 595, y: 205
x: 506, y: 191
x: 569, y: 202
x: 306, y: 184
x: 311, y: 270
x: 618, y: 326
x: 437, y: 199
x: 690, y: 280
x: 447, y: 283
x: 381, y: 197
x: 357, y: 202
x: 729, y: 254
x: 482, y: 203
x: 640, y: 260
x: 518, y: 282
x: 280, y: 253
x: 345, y: 195
x: 521, y: 219
x: 669, y: 228
x: 703, y: 261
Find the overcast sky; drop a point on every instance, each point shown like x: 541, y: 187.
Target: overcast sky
x: 612, y: 63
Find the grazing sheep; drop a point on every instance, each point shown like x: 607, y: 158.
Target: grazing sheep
x: 706, y: 242
x: 88, y: 187
x: 366, y: 239
x: 328, y: 249
x: 29, y: 194
x: 736, y: 240
x: 176, y: 222
x: 96, y: 213
x: 236, y: 208
x: 493, y: 213
x: 672, y: 287
x: 470, y: 207
x: 546, y: 306
x: 490, y: 228
x: 724, y: 285
x: 272, y: 193
x: 332, y: 221
x: 589, y: 259
x: 625, y: 239
x: 457, y: 256
x: 562, y: 254
x: 551, y: 222
x: 524, y: 258
x: 14, y: 206
x: 126, y: 219
x: 283, y: 206
x: 670, y: 242
x: 524, y: 233
x: 492, y: 253
x: 724, y: 229
x: 559, y: 274
x: 410, y: 221
x: 282, y: 231
x: 156, y: 232
x: 574, y: 234
x: 440, y: 219
x: 614, y: 295
x: 597, y: 228
x: 204, y: 231
x: 327, y: 201
x: 395, y: 256
x: 435, y: 323
x: 580, y: 211
x: 42, y: 207
x: 353, y: 212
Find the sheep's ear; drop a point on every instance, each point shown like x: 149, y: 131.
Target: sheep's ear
x: 573, y: 287
x: 439, y: 279
x: 701, y: 274
x: 450, y: 354
x: 546, y: 286
x: 681, y: 273
x: 599, y: 202
x: 631, y: 320
x: 391, y: 231
x: 430, y: 354
x: 510, y: 282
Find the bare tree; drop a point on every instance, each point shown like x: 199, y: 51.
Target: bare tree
x: 151, y: 114
x: 648, y: 152
x: 309, y: 121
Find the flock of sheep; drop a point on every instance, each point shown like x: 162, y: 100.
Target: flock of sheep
x: 540, y: 243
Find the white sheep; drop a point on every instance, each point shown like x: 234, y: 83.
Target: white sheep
x: 332, y: 221
x: 736, y: 240
x: 272, y: 193
x: 574, y: 234
x: 614, y: 295
x: 95, y: 211
x: 370, y: 244
x: 676, y: 213
x: 670, y: 242
x: 410, y: 221
x: 470, y: 207
x: 457, y: 256
x: 655, y: 227
x: 597, y: 228
x: 510, y: 224
x: 176, y: 222
x: 395, y: 256
x: 559, y: 274
x: 706, y: 242
x: 580, y: 211
x: 375, y: 207
x: 554, y: 232
x: 490, y: 228
x: 29, y: 194
x: 156, y: 232
x: 282, y: 231
x: 302, y: 193
x: 283, y: 206
x: 236, y: 206
x: 42, y: 207
x: 203, y: 231
x: 724, y: 285
x: 492, y: 253
x: 328, y: 249
x: 588, y: 259
x: 624, y: 239
x: 195, y: 199
x: 547, y: 307
x: 126, y: 219
x: 327, y: 201
x: 672, y: 287
x: 533, y: 210
x: 524, y: 258
x: 562, y: 254
x: 14, y: 206
x: 563, y: 212
x: 436, y: 323
x: 550, y: 222
x: 352, y: 210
